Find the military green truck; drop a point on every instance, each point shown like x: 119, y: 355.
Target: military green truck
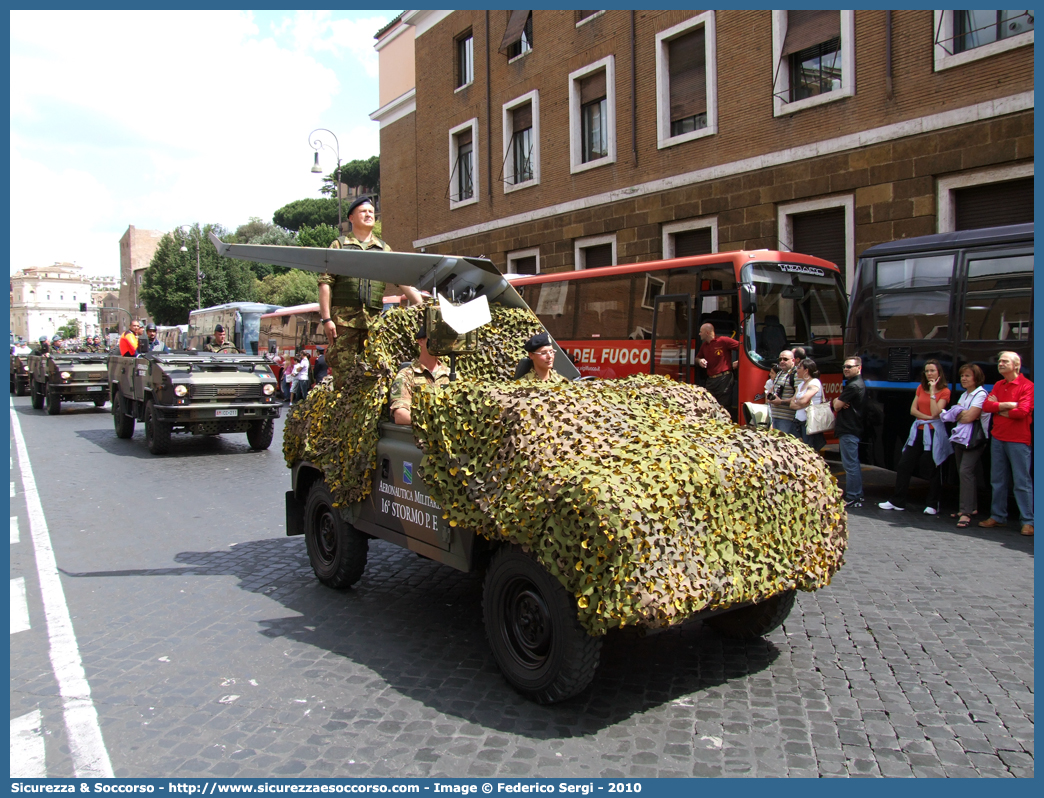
x: 587, y: 506
x: 60, y: 377
x: 19, y: 374
x: 196, y: 393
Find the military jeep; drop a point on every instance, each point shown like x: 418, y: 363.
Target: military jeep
x: 59, y: 377
x: 19, y: 374
x: 586, y: 505
x: 198, y: 393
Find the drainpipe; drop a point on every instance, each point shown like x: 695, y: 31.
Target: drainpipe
x: 634, y: 100
x: 489, y: 122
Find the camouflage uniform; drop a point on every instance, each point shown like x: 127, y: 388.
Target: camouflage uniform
x: 401, y: 392
x: 354, y: 303
x: 552, y: 376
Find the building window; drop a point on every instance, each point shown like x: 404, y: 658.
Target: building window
x: 690, y: 237
x: 686, y: 81
x: 824, y: 228
x: 986, y: 198
x: 524, y: 261
x: 464, y: 178
x: 592, y: 115
x: 590, y: 253
x: 963, y: 36
x: 521, y: 125
x: 812, y: 57
x: 518, y: 36
x: 586, y: 16
x: 465, y: 60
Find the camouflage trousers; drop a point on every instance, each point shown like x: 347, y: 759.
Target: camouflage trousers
x: 344, y: 351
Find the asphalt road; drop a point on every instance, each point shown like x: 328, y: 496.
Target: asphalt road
x: 210, y: 649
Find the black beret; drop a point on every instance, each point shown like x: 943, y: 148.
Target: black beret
x: 421, y: 333
x: 538, y: 341
x: 218, y: 328
x: 357, y: 202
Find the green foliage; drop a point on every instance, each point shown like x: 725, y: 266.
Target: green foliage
x: 168, y: 286
x: 71, y: 329
x: 255, y: 228
x: 638, y: 495
x: 364, y: 173
x: 271, y: 235
x: 311, y: 212
x: 320, y: 236
x: 294, y: 287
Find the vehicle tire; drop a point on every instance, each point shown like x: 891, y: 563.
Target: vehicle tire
x: 157, y: 433
x: 532, y: 627
x: 259, y: 434
x: 124, y: 424
x: 99, y: 401
x: 336, y: 550
x: 37, y: 395
x: 13, y: 381
x: 754, y: 620
x: 54, y: 402
x: 20, y: 389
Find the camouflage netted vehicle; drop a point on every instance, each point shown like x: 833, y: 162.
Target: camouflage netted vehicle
x: 589, y: 505
x: 67, y: 377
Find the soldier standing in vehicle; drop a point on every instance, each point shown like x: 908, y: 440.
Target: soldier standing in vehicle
x: 348, y: 304
x: 42, y: 347
x: 538, y: 366
x: 425, y: 370
x: 155, y: 344
x: 219, y: 344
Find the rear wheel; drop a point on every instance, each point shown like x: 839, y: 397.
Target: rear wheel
x: 99, y: 401
x: 336, y: 549
x: 754, y: 620
x: 259, y: 434
x: 124, y: 424
x: 21, y: 388
x: 531, y: 622
x: 54, y: 402
x: 157, y: 433
x: 14, y: 386
x: 36, y: 395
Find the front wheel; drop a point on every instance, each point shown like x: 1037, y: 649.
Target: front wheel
x: 99, y: 401
x: 54, y: 402
x: 36, y: 395
x: 259, y: 433
x: 336, y: 550
x: 531, y: 622
x: 754, y: 620
x: 123, y: 423
x: 157, y: 433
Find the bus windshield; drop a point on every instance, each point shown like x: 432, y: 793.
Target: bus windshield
x: 797, y: 305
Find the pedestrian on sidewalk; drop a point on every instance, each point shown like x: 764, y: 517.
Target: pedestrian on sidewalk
x: 848, y: 426
x: 969, y: 438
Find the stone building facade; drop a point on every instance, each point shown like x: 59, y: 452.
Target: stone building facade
x: 136, y: 250
x: 45, y: 298
x: 562, y: 139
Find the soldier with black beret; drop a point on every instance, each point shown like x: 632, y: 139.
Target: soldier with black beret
x: 219, y: 344
x: 425, y: 370
x: 538, y: 366
x: 347, y: 305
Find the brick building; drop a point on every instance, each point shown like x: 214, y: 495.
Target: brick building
x: 552, y: 140
x: 136, y: 250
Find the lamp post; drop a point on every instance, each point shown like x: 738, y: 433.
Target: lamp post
x: 199, y: 275
x: 317, y: 145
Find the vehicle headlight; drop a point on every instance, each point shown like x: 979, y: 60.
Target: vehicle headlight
x: 66, y: 375
x: 180, y: 390
x: 268, y: 389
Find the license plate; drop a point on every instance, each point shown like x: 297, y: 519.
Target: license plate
x: 95, y: 388
x: 226, y: 413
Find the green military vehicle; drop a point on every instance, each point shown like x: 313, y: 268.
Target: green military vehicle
x: 198, y: 393
x: 20, y: 373
x: 60, y: 377
x: 587, y: 505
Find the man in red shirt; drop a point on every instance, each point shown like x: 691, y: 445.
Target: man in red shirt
x: 715, y: 355
x: 1012, y: 406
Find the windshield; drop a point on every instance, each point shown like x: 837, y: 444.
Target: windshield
x: 251, y: 332
x: 797, y: 305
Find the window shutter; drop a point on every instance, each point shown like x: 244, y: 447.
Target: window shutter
x: 994, y: 204
x: 521, y: 118
x: 513, y: 33
x: 822, y: 234
x: 525, y: 265
x: 808, y: 28
x: 692, y: 242
x: 592, y: 87
x: 687, y: 66
x: 464, y: 137
x: 601, y: 255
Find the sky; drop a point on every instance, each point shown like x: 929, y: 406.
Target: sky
x: 164, y: 118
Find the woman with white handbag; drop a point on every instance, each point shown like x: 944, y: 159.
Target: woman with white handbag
x: 810, y: 403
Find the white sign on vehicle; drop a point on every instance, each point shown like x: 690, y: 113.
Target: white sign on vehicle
x: 95, y: 387
x: 226, y: 413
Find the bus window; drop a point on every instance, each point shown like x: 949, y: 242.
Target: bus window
x: 604, y: 304
x: 912, y: 301
x: 555, y: 304
x: 999, y: 302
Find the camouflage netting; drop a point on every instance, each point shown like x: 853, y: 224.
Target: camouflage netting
x: 639, y: 495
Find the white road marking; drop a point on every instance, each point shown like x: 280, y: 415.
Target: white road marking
x: 12, y: 489
x: 27, y: 747
x: 90, y: 758
x: 19, y: 607
x: 14, y: 529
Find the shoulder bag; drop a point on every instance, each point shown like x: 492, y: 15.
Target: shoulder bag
x: 818, y: 418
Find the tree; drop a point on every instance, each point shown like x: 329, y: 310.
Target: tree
x: 71, y: 329
x: 255, y: 228
x: 310, y: 212
x: 272, y: 236
x: 320, y: 236
x: 168, y: 286
x: 365, y: 174
x: 295, y: 287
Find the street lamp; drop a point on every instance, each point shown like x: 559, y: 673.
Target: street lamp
x: 199, y: 275
x: 317, y: 145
